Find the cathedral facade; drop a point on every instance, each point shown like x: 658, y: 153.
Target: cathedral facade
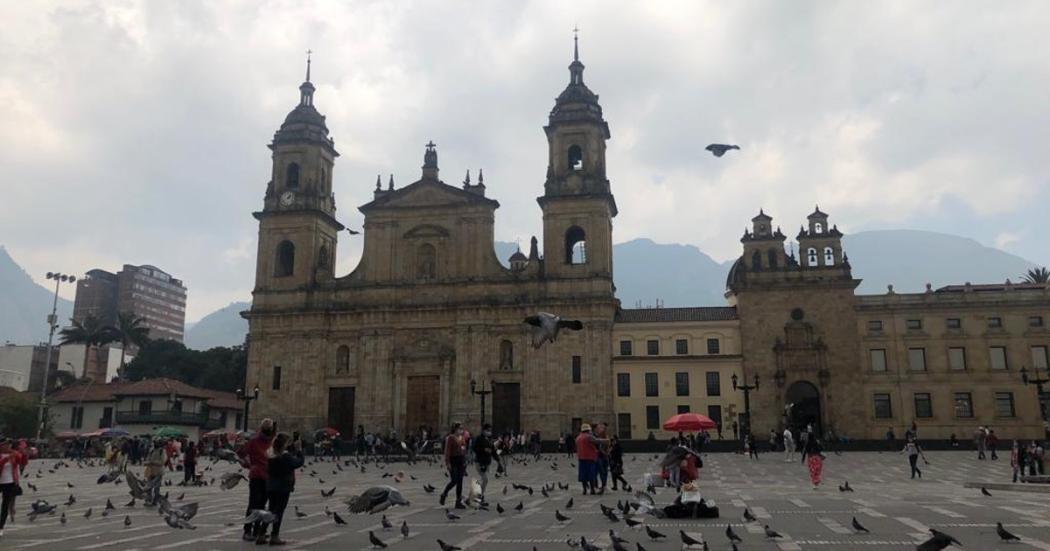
x: 430, y: 315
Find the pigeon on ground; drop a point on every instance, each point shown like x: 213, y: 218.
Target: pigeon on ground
x: 654, y: 535
x: 1003, y: 534
x: 748, y: 516
x: 106, y: 478
x: 771, y: 533
x: 547, y: 326
x: 845, y: 487
x: 430, y: 489
x: 519, y: 506
x: 127, y: 521
x: 731, y: 534
x: 376, y: 542
x: 261, y: 516
x: 404, y: 529
x: 719, y: 149
x: 62, y: 519
x: 616, y: 539
x: 857, y: 526
x: 631, y: 523
x: 985, y: 492
x: 447, y: 546
x: 587, y: 546
x: 376, y: 499
x: 639, y: 546
x: 688, y: 541
x: 499, y: 508
x: 87, y: 514
x: 450, y: 516
x: 174, y: 521
x: 386, y: 524
x: 938, y: 541
x: 560, y: 517
x: 568, y: 504
x: 329, y: 493
x: 338, y: 519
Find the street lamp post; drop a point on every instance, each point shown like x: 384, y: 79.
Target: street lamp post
x: 242, y: 395
x: 1040, y: 395
x: 483, y: 393
x: 746, y: 429
x: 52, y: 322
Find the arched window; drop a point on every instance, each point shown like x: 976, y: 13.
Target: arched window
x: 829, y: 256
x: 506, y: 355
x: 575, y: 246
x: 575, y: 158
x: 811, y: 255
x: 772, y: 256
x: 818, y: 227
x: 291, y: 177
x: 285, y: 265
x: 756, y: 261
x: 342, y: 360
x: 426, y: 261
x: 322, y: 257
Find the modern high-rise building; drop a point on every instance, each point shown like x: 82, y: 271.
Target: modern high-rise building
x: 146, y: 291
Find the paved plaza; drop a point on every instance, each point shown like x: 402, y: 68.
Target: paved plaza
x: 896, y: 510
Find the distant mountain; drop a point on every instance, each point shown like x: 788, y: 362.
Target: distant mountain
x: 682, y: 275
x: 223, y: 327
x: 24, y: 305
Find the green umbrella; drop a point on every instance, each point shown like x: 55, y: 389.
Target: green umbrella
x: 169, y: 432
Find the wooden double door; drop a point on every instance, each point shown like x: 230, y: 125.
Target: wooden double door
x: 341, y: 410
x: 422, y: 403
x: 506, y: 407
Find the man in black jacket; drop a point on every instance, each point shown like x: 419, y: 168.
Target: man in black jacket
x: 484, y: 451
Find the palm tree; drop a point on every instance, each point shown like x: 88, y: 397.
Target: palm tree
x: 91, y: 333
x: 131, y: 330
x: 1037, y: 275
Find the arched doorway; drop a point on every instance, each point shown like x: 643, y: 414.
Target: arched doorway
x: 806, y: 409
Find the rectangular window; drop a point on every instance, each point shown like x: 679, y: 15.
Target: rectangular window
x: 681, y: 347
x: 145, y: 407
x: 875, y: 325
x: 652, y: 348
x: 713, y: 346
x: 240, y: 421
x: 1040, y: 357
x: 963, y: 404
x: 954, y: 323
x: 577, y: 370
x: 1004, y: 404
x: 277, y: 377
x: 623, y: 426
x: 715, y: 414
x: 625, y: 348
x: 176, y: 406
x: 917, y: 359
x: 683, y: 409
x: 995, y: 323
x: 107, y: 418
x: 652, y: 385
x: 714, y: 383
x: 883, y: 409
x: 652, y: 417
x: 681, y: 383
x: 997, y: 357
x: 914, y: 325
x: 76, y: 418
x: 623, y: 384
x: 1035, y: 321
x: 923, y: 405
x: 878, y: 359
x: 957, y: 359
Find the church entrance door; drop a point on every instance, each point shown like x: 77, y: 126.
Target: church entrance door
x: 806, y: 409
x: 341, y: 410
x: 421, y: 404
x: 506, y: 407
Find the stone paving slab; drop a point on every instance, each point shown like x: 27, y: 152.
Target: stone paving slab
x: 896, y: 509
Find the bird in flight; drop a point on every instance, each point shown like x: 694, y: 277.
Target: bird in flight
x: 719, y: 149
x: 547, y: 326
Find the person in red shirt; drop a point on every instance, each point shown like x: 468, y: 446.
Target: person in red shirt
x: 253, y: 457
x: 12, y: 464
x: 587, y: 459
x: 456, y: 463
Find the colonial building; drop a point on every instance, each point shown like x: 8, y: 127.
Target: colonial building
x: 429, y: 309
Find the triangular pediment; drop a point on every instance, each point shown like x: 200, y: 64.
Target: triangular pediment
x: 427, y: 193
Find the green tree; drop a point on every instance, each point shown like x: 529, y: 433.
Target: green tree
x: 219, y: 368
x: 131, y: 330
x: 1037, y: 275
x: 91, y: 333
x: 18, y: 412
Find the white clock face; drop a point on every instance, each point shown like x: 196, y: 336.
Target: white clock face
x: 287, y: 198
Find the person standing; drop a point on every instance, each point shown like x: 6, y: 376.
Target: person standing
x: 993, y: 444
x: 1017, y: 460
x: 616, y: 463
x: 285, y: 457
x: 814, y: 460
x: 789, y: 446
x: 189, y: 463
x: 980, y: 440
x: 456, y: 463
x: 12, y: 465
x: 254, y: 457
x: 911, y: 447
x: 736, y: 431
x: 483, y: 453
x: 586, y: 458
x: 154, y: 471
x: 602, y: 464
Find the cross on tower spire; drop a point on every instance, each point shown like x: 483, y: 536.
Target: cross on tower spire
x: 576, y: 43
x: 308, y: 54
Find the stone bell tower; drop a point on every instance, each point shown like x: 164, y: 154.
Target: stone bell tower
x: 297, y: 226
x: 578, y: 206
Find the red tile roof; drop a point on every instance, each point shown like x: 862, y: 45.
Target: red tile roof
x: 701, y: 313
x: 160, y: 387
x: 110, y: 392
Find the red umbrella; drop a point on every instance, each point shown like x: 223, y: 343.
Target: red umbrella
x: 688, y: 422
x: 327, y: 432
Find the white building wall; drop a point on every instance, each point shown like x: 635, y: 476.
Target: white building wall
x: 15, y: 365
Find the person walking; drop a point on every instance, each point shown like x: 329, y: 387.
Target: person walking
x: 586, y: 458
x: 483, y: 454
x: 456, y: 463
x: 189, y: 464
x: 254, y: 457
x: 814, y: 461
x: 980, y: 440
x: 12, y: 466
x: 993, y: 444
x: 1017, y: 460
x: 789, y: 446
x: 154, y: 471
x: 602, y: 464
x: 911, y: 447
x: 284, y: 458
x: 616, y: 463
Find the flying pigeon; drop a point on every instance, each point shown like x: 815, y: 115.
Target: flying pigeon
x: 857, y: 526
x: 547, y: 326
x: 231, y: 480
x: 376, y: 499
x: 1003, y: 534
x: 719, y: 149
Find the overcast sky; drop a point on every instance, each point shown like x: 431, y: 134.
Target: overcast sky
x: 136, y: 132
